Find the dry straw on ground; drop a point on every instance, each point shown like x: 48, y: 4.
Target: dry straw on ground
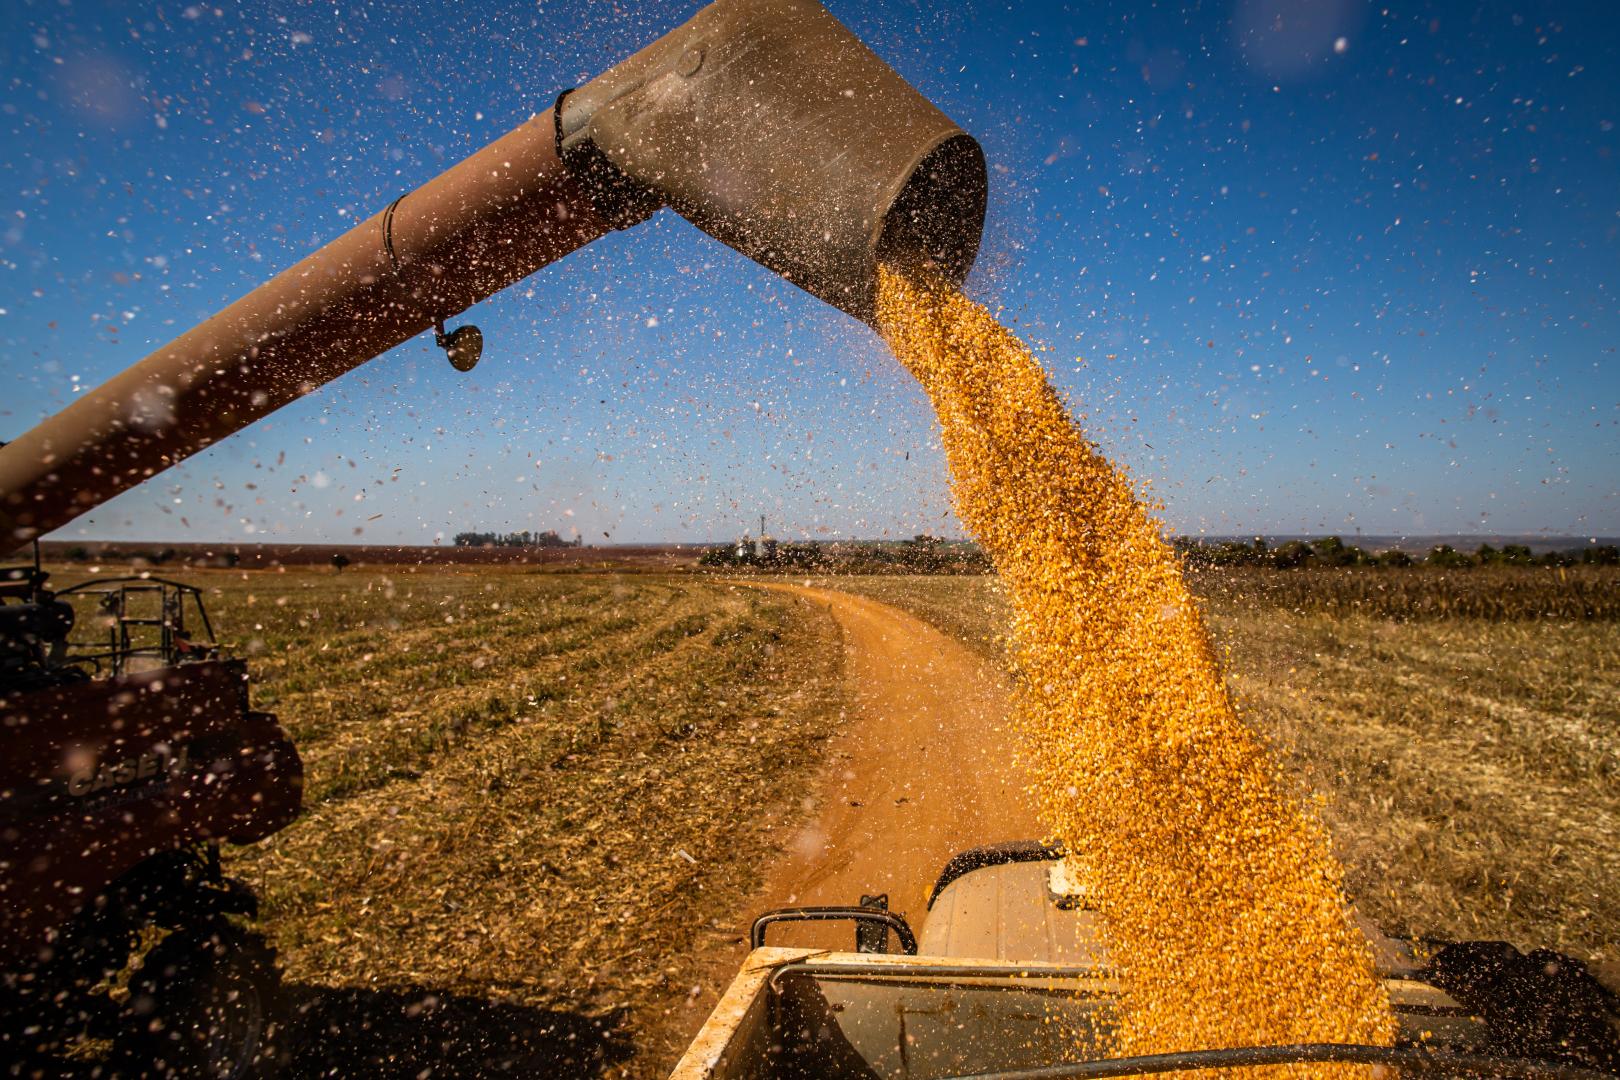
x: 1220, y: 897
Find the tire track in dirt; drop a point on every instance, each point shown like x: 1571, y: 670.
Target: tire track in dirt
x: 922, y: 770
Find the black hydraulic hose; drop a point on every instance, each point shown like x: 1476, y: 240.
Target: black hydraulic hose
x: 1412, y: 1059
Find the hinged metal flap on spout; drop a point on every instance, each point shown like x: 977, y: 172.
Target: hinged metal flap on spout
x: 769, y: 125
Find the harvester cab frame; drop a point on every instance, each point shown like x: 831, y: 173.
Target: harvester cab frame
x: 145, y: 625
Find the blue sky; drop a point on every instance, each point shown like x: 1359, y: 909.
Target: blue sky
x: 1354, y: 268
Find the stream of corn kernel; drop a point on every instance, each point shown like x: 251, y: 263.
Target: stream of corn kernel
x: 1221, y: 900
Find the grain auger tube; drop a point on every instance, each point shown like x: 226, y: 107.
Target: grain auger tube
x: 766, y: 123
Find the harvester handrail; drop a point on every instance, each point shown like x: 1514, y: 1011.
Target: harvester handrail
x: 119, y: 649
x: 1406, y: 1058
x: 834, y: 913
x: 90, y: 585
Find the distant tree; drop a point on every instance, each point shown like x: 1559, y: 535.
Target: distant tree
x: 1189, y: 549
x: 524, y: 539
x: 1292, y: 554
x: 1394, y: 557
x: 1328, y: 547
x: 339, y: 561
x: 1601, y: 555
x: 1447, y: 556
x: 920, y: 555
x: 1518, y: 555
x: 1333, y: 551
x: 716, y: 556
x: 806, y: 555
x: 1226, y: 553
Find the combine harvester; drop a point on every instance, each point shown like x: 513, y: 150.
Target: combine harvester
x: 767, y: 124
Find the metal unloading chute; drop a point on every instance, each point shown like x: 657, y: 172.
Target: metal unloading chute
x: 772, y: 128
x: 766, y: 123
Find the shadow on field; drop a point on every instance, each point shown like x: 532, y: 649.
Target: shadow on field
x: 418, y: 1032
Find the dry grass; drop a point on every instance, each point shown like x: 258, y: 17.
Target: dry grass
x: 555, y: 793
x: 1471, y: 767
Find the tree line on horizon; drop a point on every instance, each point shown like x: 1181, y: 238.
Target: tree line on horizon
x: 1334, y: 552
x: 930, y: 555
x: 922, y: 554
x: 925, y: 554
x: 525, y: 539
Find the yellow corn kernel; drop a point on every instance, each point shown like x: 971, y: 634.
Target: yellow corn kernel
x: 1222, y: 902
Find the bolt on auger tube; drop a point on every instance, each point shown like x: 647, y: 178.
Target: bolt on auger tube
x: 764, y: 122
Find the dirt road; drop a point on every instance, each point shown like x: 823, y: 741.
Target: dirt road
x: 922, y: 771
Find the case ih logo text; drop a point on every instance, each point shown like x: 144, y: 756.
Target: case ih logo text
x: 157, y: 762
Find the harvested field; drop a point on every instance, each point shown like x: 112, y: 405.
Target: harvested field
x: 502, y: 778
x: 536, y: 806
x: 1471, y: 767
